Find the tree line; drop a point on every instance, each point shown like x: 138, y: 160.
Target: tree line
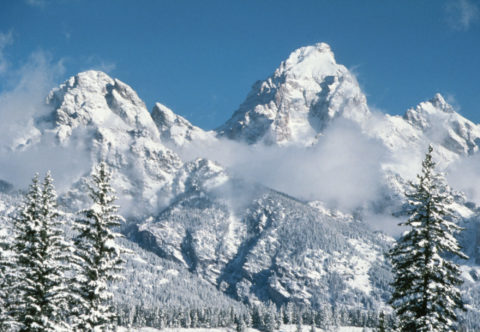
x: 264, y: 317
x: 51, y: 282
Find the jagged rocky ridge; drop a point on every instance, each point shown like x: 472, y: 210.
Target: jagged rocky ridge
x: 234, y: 239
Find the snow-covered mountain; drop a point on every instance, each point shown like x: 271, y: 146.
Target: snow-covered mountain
x: 234, y: 238
x: 269, y: 246
x: 298, y: 101
x: 310, y: 90
x: 310, y: 93
x: 433, y: 121
x: 101, y: 118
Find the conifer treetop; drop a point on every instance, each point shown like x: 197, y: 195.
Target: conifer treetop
x: 426, y: 293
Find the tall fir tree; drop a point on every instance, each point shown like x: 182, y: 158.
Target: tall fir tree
x: 41, y: 253
x: 98, y: 256
x: 426, y: 294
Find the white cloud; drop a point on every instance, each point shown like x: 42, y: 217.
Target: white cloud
x: 20, y: 107
x: 461, y: 14
x: 343, y: 169
x: 463, y: 176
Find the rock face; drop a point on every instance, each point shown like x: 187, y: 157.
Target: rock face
x: 105, y: 120
x: 298, y: 101
x: 176, y: 130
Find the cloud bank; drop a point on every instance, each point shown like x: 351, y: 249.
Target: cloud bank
x: 343, y: 169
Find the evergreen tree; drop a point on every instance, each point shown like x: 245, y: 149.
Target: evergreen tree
x: 288, y: 316
x: 194, y: 319
x: 299, y: 323
x: 257, y: 317
x: 7, y: 266
x: 426, y: 284
x: 240, y: 325
x: 381, y: 322
x: 41, y: 252
x: 269, y: 321
x: 247, y: 319
x: 98, y: 257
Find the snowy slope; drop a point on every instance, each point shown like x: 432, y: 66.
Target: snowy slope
x: 268, y: 247
x: 149, y: 281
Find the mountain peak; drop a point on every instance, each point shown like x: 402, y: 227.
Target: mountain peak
x: 105, y: 119
x: 175, y: 129
x: 438, y: 120
x: 439, y: 103
x: 420, y: 116
x: 309, y: 59
x: 94, y: 75
x: 93, y: 97
x: 92, y: 81
x: 296, y: 103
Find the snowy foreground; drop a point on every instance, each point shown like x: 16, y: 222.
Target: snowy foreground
x: 284, y: 328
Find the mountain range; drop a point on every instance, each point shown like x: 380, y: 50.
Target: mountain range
x: 294, y: 199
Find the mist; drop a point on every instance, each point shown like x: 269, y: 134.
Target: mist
x: 464, y: 175
x: 342, y: 169
x: 21, y: 104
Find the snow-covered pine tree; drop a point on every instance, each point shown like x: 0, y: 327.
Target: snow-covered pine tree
x: 7, y: 265
x: 41, y: 253
x: 98, y: 256
x: 269, y: 325
x: 381, y: 322
x: 299, y: 323
x: 426, y: 284
x: 240, y: 325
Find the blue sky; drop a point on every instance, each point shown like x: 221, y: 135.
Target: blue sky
x: 200, y: 58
